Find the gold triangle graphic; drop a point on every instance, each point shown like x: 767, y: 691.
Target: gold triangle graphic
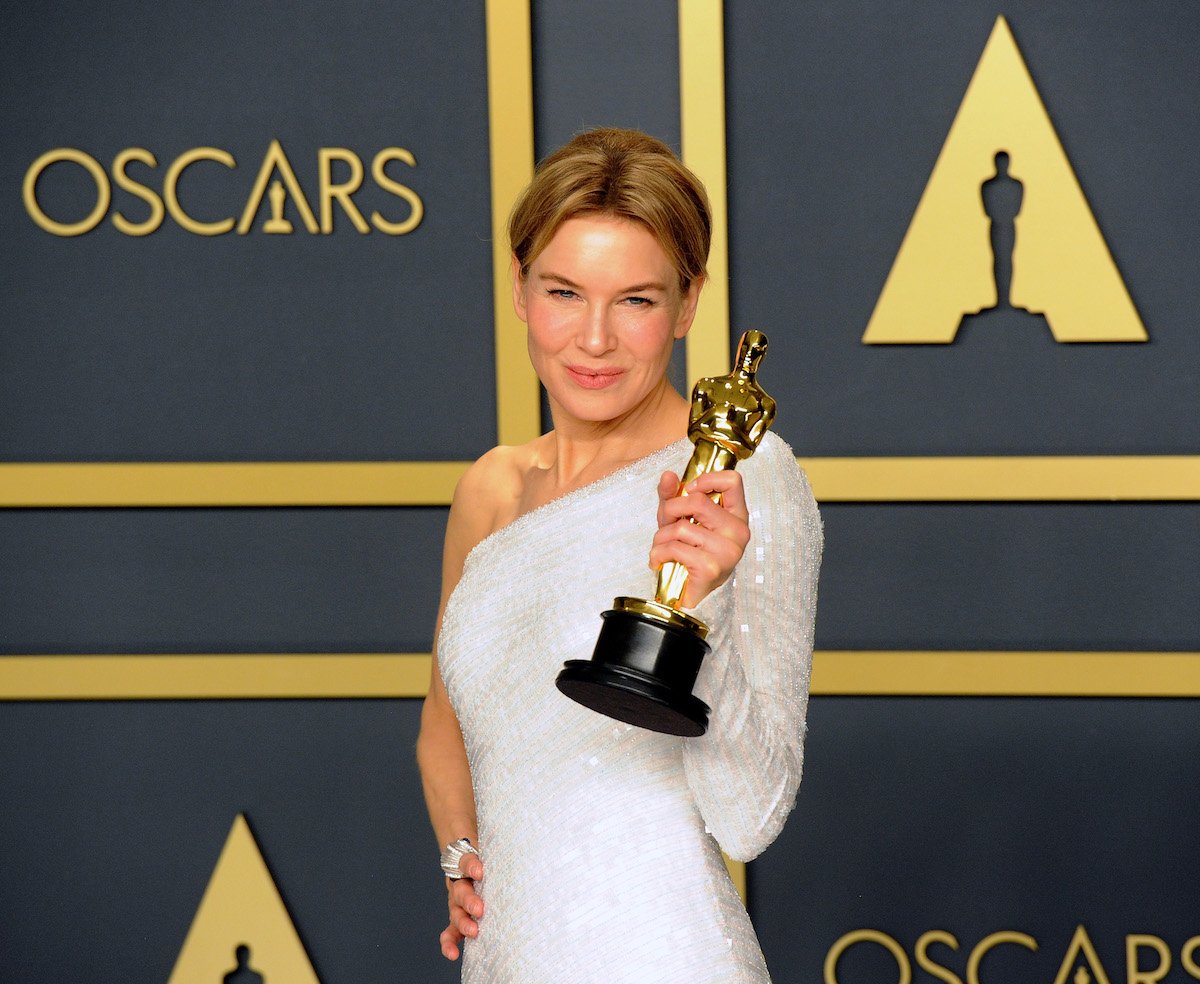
x: 242, y: 927
x: 1061, y: 266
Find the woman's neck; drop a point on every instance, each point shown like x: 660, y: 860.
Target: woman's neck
x: 583, y: 450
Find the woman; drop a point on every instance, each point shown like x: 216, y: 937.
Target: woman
x: 598, y: 855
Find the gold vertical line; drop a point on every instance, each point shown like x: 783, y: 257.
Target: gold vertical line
x: 702, y: 120
x: 702, y: 125
x: 510, y: 142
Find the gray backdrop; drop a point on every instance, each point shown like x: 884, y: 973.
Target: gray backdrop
x: 967, y: 815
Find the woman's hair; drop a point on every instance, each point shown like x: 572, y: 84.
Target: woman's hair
x: 621, y: 173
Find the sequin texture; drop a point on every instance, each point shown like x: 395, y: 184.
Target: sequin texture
x: 600, y: 864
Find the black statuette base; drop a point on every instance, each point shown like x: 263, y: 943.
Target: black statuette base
x: 641, y: 672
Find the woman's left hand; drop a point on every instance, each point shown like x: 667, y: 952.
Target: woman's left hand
x: 708, y: 538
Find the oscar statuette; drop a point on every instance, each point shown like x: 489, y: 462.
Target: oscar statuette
x: 649, y: 653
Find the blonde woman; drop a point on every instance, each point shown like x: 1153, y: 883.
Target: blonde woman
x: 580, y: 849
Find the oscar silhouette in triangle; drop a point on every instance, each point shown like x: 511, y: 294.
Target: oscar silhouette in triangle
x: 1030, y: 251
x: 1003, y: 194
x: 243, y: 973
x: 242, y: 902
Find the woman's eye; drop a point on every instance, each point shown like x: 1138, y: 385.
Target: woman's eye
x: 639, y: 301
x: 562, y: 292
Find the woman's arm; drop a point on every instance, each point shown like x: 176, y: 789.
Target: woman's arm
x: 447, y: 781
x: 745, y: 771
x: 441, y: 754
x: 445, y: 776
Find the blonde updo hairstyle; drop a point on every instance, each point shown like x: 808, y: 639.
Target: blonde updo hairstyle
x: 621, y: 173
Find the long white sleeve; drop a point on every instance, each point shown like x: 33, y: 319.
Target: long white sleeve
x: 744, y: 773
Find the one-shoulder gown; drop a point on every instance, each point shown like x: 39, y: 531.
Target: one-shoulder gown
x: 601, y: 841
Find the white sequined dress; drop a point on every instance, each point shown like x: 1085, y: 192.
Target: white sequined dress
x: 600, y: 840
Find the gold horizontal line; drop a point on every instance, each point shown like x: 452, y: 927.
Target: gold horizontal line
x: 431, y: 483
x: 214, y: 676
x: 273, y: 483
x: 392, y: 675
x: 1037, y: 478
x: 1006, y: 673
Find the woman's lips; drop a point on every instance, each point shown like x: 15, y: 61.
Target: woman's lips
x: 594, y: 378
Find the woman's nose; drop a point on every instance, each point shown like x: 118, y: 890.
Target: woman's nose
x: 597, y: 336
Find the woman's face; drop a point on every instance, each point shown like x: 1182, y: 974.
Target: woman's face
x: 603, y: 306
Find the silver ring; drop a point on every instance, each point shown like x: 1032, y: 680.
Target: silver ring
x: 452, y: 854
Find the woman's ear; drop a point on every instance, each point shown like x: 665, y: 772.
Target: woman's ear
x: 687, y: 308
x: 518, y: 286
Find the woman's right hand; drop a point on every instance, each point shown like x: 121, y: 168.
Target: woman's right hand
x: 466, y: 907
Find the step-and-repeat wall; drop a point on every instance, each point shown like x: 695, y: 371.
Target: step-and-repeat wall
x: 255, y: 325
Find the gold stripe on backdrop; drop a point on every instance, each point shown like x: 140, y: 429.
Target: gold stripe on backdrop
x: 510, y: 124
x: 1032, y: 478
x: 214, y: 676
x: 430, y: 483
x: 856, y: 673
x: 283, y: 483
x: 702, y: 124
x: 849, y: 673
x: 702, y: 131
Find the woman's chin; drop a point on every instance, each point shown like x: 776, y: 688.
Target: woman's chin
x: 619, y: 399
x: 592, y: 406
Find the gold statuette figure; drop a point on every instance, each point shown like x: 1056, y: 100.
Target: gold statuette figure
x: 649, y: 653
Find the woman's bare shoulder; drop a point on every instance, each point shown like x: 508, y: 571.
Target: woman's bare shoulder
x: 489, y: 493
